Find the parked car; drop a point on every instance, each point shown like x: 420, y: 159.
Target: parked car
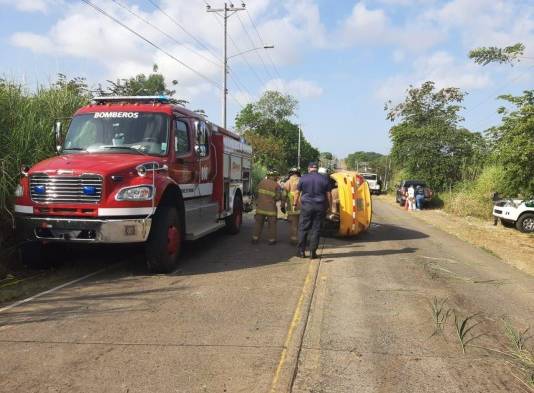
x: 402, y: 190
x: 375, y: 185
x: 516, y: 213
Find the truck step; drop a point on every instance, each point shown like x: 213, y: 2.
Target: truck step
x: 204, y: 231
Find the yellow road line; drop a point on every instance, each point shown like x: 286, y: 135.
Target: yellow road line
x: 310, y: 278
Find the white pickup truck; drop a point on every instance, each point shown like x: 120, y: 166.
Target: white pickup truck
x: 374, y: 183
x: 516, y: 212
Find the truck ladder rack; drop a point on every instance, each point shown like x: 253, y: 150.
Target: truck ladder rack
x: 145, y: 99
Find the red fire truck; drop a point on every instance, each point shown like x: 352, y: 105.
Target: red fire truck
x: 132, y: 170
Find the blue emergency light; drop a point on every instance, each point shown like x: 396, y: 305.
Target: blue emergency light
x: 39, y: 189
x: 89, y: 190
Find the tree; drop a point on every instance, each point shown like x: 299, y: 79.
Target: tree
x: 513, y: 143
x: 374, y: 161
x: 513, y: 140
x: 423, y: 106
x: 427, y: 140
x: 142, y: 85
x: 493, y: 54
x: 266, y: 125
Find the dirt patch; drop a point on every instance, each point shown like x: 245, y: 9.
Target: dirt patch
x: 508, y: 244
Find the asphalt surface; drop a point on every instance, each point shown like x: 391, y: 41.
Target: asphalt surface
x: 238, y: 317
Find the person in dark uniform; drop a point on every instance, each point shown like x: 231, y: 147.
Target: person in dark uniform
x: 313, y: 193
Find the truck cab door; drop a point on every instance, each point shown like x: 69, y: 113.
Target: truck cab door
x: 203, y: 152
x: 182, y: 168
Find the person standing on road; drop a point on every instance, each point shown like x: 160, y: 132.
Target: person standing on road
x: 419, y: 197
x: 269, y: 192
x: 411, y: 197
x: 293, y: 211
x: 315, y: 198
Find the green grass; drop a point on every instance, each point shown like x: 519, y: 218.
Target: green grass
x: 521, y: 357
x: 26, y: 121
x: 474, y: 198
x: 464, y: 327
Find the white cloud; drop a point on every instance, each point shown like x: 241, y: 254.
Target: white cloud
x: 299, y: 88
x: 243, y: 97
x: 486, y: 23
x: 37, y: 43
x: 440, y: 67
x: 28, y: 5
x: 365, y: 25
x: 84, y: 33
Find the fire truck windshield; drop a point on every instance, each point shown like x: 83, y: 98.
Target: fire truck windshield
x: 120, y: 132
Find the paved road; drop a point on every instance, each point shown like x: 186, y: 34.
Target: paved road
x: 239, y: 317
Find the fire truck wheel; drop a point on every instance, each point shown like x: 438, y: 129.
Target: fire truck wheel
x: 164, y: 241
x: 526, y: 223
x: 233, y: 223
x: 35, y: 255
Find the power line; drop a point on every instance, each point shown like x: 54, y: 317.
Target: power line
x: 269, y: 75
x: 261, y: 40
x: 206, y: 78
x: 127, y: 9
x: 239, y: 50
x: 198, y: 41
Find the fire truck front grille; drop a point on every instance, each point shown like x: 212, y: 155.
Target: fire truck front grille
x: 66, y: 189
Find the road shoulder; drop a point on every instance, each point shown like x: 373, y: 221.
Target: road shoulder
x: 509, y: 245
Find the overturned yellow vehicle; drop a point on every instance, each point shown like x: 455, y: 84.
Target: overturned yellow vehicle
x: 352, y: 206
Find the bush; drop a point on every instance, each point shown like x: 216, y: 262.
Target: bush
x: 474, y: 198
x: 26, y: 121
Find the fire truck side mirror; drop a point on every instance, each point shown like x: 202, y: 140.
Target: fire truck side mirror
x: 57, y: 134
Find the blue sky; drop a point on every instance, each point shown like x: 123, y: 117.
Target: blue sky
x: 341, y: 59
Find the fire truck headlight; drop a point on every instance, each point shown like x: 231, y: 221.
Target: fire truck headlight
x: 138, y: 193
x: 19, y: 191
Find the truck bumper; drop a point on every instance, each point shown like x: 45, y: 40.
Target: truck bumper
x: 83, y: 230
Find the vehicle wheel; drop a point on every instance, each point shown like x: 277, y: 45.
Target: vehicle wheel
x: 35, y: 255
x: 525, y: 223
x: 507, y: 224
x: 233, y: 223
x: 164, y: 241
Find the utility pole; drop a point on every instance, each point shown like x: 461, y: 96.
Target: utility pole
x: 226, y: 12
x: 298, y: 150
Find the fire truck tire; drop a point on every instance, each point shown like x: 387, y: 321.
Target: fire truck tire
x: 164, y: 241
x: 233, y: 223
x: 35, y: 255
x: 525, y: 223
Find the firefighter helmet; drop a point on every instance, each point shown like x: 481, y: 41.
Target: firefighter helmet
x: 294, y: 171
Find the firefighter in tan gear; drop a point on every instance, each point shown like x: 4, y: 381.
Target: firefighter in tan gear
x: 293, y: 212
x: 269, y: 192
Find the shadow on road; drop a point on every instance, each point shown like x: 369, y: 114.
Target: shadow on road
x: 125, y: 288
x: 378, y: 233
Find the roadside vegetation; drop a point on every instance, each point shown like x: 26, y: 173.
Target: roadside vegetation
x: 508, y: 343
x: 430, y: 143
